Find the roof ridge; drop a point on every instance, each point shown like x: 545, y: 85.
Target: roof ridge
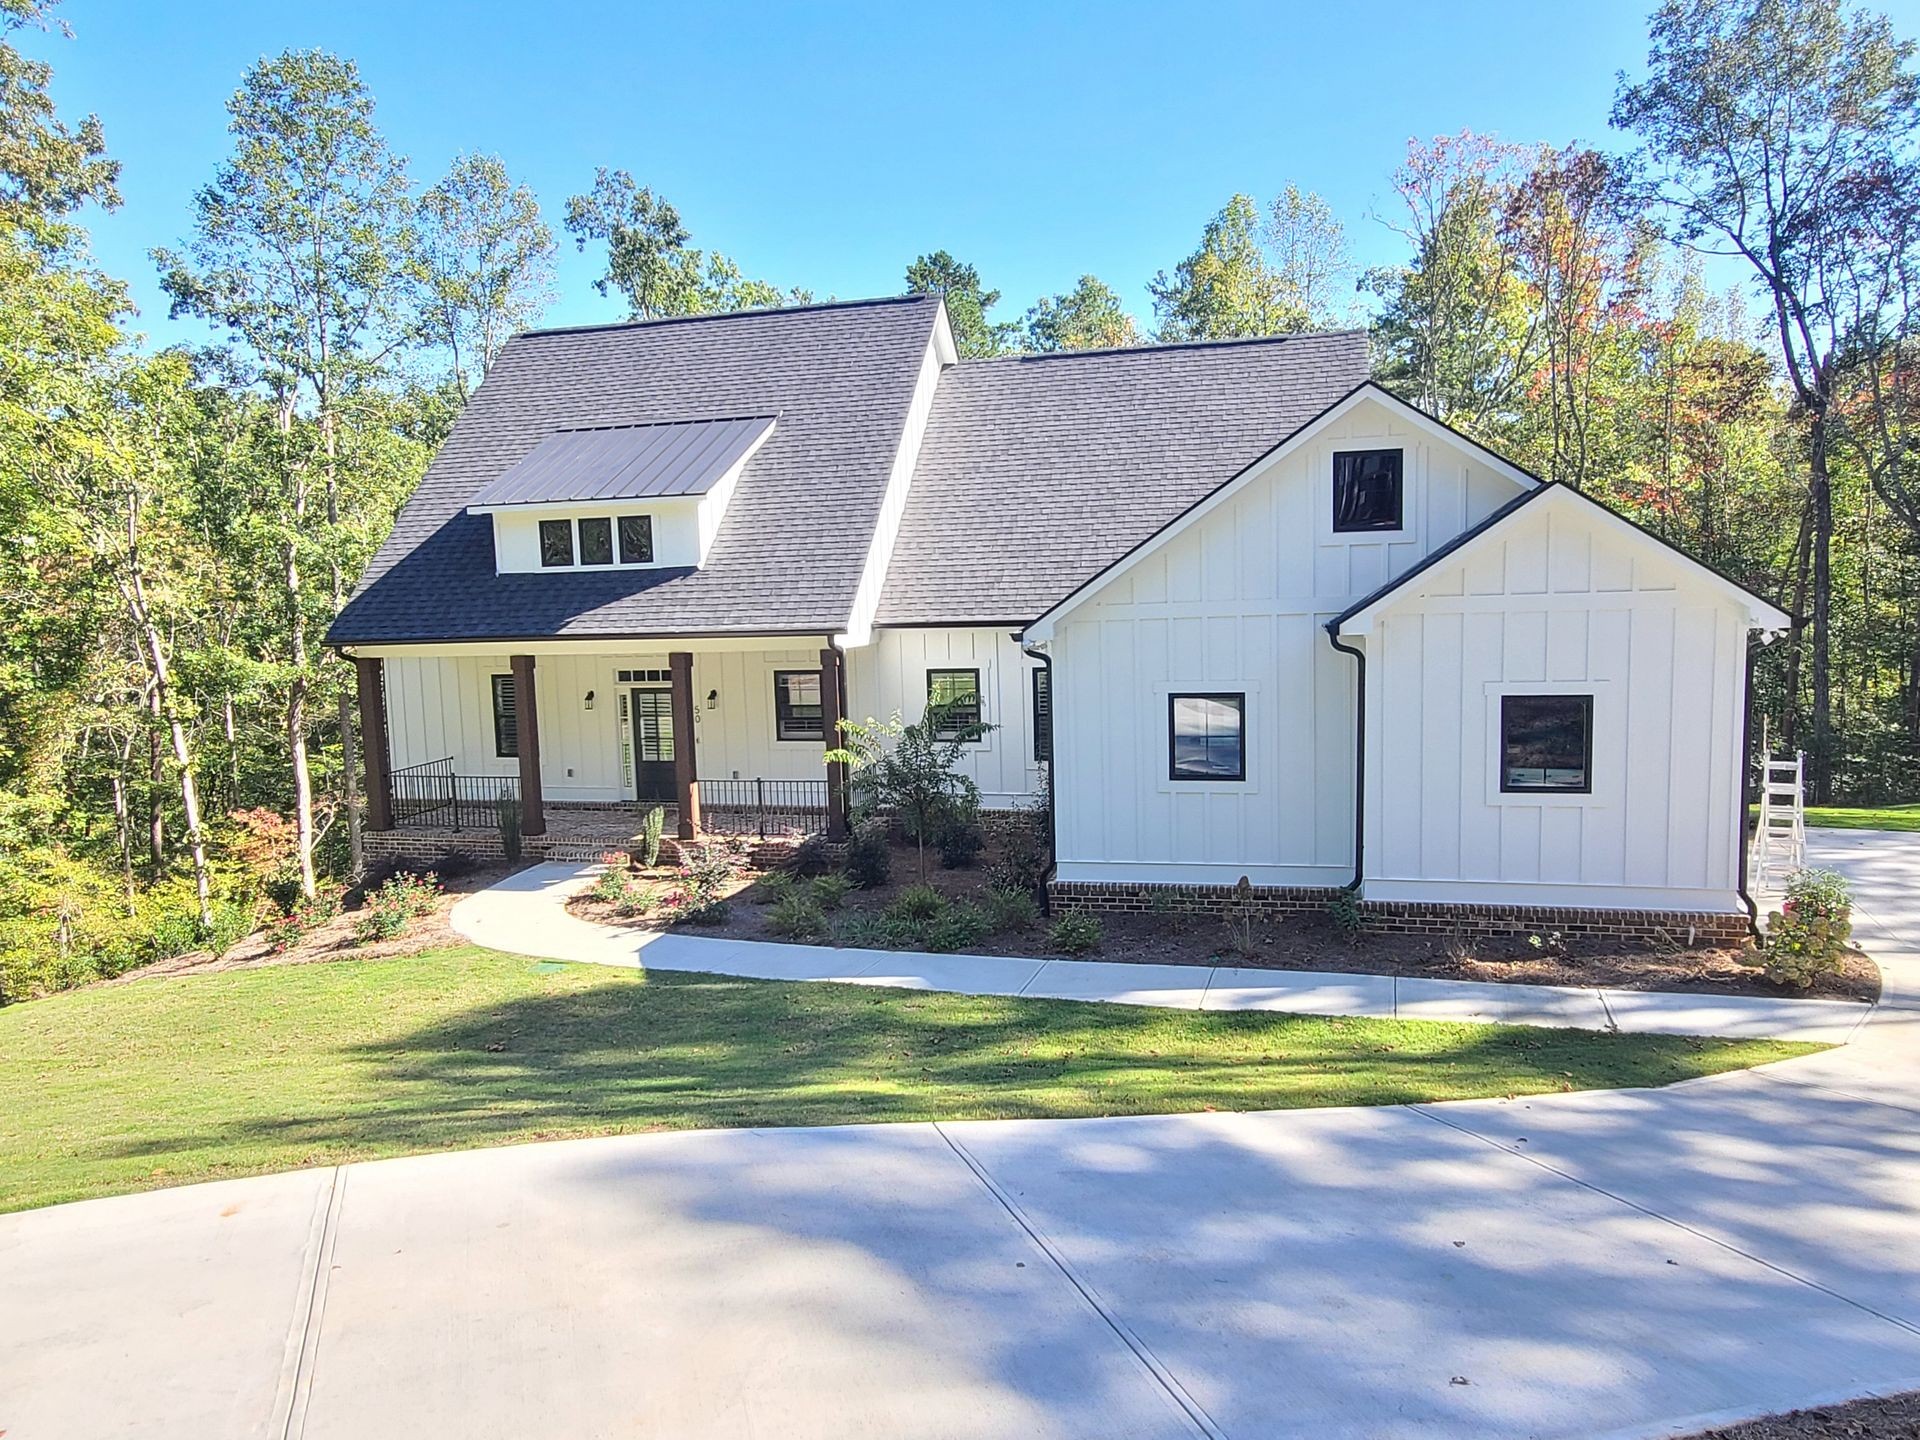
x: 712, y: 315
x: 1161, y: 347
x: 662, y: 424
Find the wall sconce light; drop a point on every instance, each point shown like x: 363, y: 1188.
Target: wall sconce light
x: 713, y: 699
x: 589, y: 699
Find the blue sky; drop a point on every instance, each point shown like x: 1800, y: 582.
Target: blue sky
x: 827, y: 145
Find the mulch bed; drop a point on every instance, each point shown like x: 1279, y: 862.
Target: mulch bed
x: 1310, y: 943
x: 333, y: 940
x: 1896, y: 1417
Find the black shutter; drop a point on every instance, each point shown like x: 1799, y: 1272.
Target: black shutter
x: 1043, y: 714
x: 506, y: 718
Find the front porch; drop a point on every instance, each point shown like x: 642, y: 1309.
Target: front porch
x: 639, y: 730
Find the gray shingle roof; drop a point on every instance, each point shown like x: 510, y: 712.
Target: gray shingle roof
x: 626, y: 462
x: 789, y: 552
x: 1039, y: 471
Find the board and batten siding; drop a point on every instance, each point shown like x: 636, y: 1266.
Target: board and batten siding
x: 889, y: 677
x: 1558, y: 603
x: 1237, y: 600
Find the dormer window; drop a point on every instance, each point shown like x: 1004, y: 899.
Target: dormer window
x: 636, y: 539
x: 596, y: 541
x: 556, y: 544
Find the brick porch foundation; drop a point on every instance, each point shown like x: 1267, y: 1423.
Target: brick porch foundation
x: 1398, y: 917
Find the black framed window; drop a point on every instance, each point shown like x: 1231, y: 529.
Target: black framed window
x: 1366, y: 490
x: 596, y: 541
x: 1546, y: 744
x: 506, y: 717
x: 1207, y: 736
x: 954, y: 696
x: 636, y: 539
x: 797, y: 711
x: 556, y: 543
x: 1043, y: 714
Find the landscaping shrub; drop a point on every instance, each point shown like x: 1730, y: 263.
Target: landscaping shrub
x: 506, y: 812
x: 960, y: 840
x: 1074, y: 934
x: 651, y: 829
x: 636, y: 897
x: 774, y: 888
x: 302, y: 918
x: 611, y: 883
x: 869, y: 856
x: 913, y: 771
x: 401, y: 900
x: 1807, y: 935
x: 797, y: 917
x: 175, y: 932
x: 866, y: 930
x: 829, y: 891
x: 812, y: 857
x: 917, y: 902
x: 956, y: 927
x: 1009, y: 909
x: 233, y: 921
x: 1344, y: 911
x: 699, y: 895
x: 1022, y: 861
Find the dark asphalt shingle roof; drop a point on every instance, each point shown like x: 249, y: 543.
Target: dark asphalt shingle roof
x: 1039, y: 471
x: 626, y: 462
x: 790, y: 550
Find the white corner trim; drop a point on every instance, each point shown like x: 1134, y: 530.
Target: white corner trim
x: 940, y: 353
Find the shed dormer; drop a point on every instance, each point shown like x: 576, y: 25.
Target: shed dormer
x: 613, y: 497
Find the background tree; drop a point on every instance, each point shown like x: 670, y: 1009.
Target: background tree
x: 968, y: 302
x: 485, y: 260
x: 1087, y: 317
x: 1226, y: 288
x: 1307, y: 249
x: 1780, y: 131
x: 301, y: 250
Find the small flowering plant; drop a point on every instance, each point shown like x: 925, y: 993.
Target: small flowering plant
x: 1807, y: 935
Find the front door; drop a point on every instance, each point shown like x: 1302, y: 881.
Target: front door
x: 651, y: 716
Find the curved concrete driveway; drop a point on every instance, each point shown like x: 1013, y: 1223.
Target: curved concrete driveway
x: 1605, y: 1264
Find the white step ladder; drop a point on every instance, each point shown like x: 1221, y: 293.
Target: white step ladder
x: 1780, y: 839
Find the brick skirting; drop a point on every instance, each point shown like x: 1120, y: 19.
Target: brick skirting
x: 1401, y: 917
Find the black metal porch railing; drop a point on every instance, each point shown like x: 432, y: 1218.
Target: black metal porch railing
x: 763, y: 807
x: 431, y: 796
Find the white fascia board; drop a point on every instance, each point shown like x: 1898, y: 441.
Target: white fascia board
x: 1043, y: 628
x: 940, y: 353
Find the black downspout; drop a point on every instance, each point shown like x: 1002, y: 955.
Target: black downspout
x: 1746, y: 780
x: 1053, y: 791
x: 1359, y: 756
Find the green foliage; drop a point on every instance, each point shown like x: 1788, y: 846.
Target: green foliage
x: 1074, y: 933
x: 652, y: 828
x: 1009, y: 909
x: 1807, y: 936
x: 611, y: 883
x: 1255, y: 276
x: 960, y: 839
x: 701, y: 884
x: 1347, y: 916
x: 956, y: 927
x: 506, y: 811
x: 797, y: 917
x: 968, y: 302
x: 774, y: 887
x: 869, y: 855
x: 233, y: 921
x: 1087, y: 317
x: 389, y: 910
x: 829, y: 891
x: 302, y: 918
x: 913, y: 770
x: 917, y: 902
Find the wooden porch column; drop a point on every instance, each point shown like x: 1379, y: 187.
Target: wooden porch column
x: 832, y: 687
x: 526, y: 724
x: 686, y: 774
x: 369, y: 678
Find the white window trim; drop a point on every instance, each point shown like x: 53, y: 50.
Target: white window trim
x: 1609, y: 721
x: 1253, y: 753
x: 984, y: 744
x: 1405, y: 530
x: 772, y: 669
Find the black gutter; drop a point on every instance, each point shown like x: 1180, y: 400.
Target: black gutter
x: 1746, y: 779
x: 1359, y: 755
x: 1053, y: 791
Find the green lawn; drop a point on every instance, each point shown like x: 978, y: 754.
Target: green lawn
x: 160, y: 1082
x: 1855, y: 817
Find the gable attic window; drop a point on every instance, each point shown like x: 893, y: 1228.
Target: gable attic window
x: 506, y: 718
x: 556, y: 544
x: 954, y: 697
x: 636, y: 539
x: 1207, y: 737
x: 1546, y: 744
x: 1367, y: 490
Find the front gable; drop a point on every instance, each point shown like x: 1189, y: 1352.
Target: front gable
x: 1271, y: 536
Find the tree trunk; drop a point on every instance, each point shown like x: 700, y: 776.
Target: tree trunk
x: 156, y: 784
x: 123, y: 822
x: 1820, y: 496
x: 350, y: 784
x: 297, y: 658
x: 1802, y: 563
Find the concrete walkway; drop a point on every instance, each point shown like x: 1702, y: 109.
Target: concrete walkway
x: 1611, y: 1264
x: 527, y: 915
